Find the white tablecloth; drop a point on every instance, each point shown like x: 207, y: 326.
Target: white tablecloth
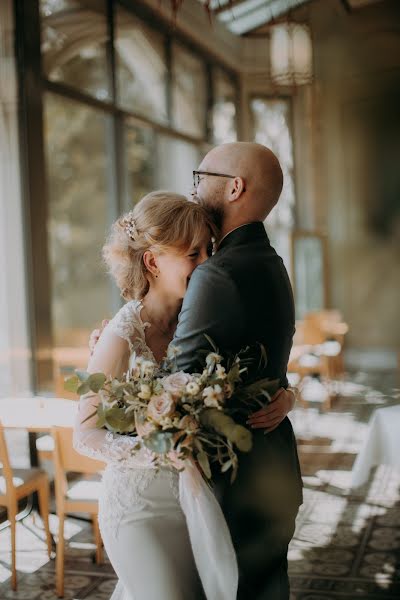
x: 381, y: 446
x: 37, y: 413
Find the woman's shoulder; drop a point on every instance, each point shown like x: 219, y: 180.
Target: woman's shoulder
x: 127, y: 322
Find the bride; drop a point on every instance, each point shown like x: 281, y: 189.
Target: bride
x: 164, y: 532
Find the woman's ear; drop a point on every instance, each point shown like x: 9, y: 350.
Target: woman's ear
x: 150, y: 262
x: 237, y: 188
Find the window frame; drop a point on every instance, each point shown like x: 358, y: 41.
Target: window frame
x: 32, y: 85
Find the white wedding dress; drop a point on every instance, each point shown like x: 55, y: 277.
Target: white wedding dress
x: 164, y: 531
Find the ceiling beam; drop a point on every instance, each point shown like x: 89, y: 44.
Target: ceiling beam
x: 242, y: 9
x: 269, y: 11
x: 226, y: 5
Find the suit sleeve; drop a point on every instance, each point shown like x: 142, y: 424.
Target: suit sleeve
x: 211, y: 306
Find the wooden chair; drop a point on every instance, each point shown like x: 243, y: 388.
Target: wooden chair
x: 16, y: 484
x: 78, y: 497
x: 331, y: 324
x: 45, y: 448
x: 318, y: 349
x: 306, y: 358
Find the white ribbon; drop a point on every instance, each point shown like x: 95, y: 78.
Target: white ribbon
x: 210, y: 538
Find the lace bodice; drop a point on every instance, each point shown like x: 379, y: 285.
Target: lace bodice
x: 121, y: 341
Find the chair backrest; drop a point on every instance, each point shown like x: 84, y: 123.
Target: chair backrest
x: 309, y: 332
x: 326, y: 315
x: 67, y: 458
x: 5, y: 462
x: 329, y: 322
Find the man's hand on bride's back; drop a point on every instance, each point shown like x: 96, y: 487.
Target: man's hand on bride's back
x: 95, y: 335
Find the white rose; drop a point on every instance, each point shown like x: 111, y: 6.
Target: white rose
x: 160, y: 407
x: 176, y: 383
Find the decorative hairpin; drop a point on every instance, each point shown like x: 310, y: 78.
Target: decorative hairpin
x: 130, y: 227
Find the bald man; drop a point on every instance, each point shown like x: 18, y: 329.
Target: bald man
x: 242, y: 296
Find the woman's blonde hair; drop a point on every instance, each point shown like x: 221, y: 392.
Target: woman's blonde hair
x: 161, y: 220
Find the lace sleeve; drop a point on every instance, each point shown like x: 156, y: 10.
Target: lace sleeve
x: 111, y: 357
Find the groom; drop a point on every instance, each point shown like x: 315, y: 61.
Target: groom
x: 239, y: 297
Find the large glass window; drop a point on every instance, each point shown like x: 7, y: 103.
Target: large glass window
x: 189, y: 92
x: 79, y: 215
x: 141, y: 68
x: 176, y: 160
x: 140, y: 164
x: 74, y: 36
x: 127, y: 109
x: 224, y: 113
x: 271, y: 127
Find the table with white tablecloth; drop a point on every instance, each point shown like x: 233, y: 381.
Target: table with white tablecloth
x: 37, y: 414
x: 381, y: 445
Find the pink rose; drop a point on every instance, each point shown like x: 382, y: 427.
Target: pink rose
x: 176, y: 383
x: 160, y: 407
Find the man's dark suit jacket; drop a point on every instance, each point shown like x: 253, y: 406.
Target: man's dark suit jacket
x: 239, y: 297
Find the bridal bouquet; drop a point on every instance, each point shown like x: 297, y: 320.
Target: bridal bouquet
x: 177, y: 415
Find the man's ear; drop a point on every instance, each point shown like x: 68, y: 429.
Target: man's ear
x: 150, y: 262
x: 237, y: 188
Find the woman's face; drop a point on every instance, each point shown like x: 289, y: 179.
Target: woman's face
x: 176, y: 267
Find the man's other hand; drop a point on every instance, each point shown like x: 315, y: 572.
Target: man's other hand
x: 270, y: 416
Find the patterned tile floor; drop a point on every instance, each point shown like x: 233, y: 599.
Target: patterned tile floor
x: 346, y: 546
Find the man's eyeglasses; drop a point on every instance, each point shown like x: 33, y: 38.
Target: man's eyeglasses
x: 197, y: 176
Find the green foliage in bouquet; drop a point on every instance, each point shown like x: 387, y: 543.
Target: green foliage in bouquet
x: 180, y: 416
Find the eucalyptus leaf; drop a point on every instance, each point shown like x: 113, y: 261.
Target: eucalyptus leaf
x: 71, y: 384
x: 101, y: 421
x: 233, y: 474
x: 212, y: 343
x: 263, y: 357
x: 226, y: 466
x: 204, y: 464
x: 159, y: 442
x: 117, y: 420
x: 197, y: 444
x: 82, y: 375
x: 242, y: 438
x: 96, y: 381
x: 234, y: 374
x: 268, y: 385
x: 83, y: 388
